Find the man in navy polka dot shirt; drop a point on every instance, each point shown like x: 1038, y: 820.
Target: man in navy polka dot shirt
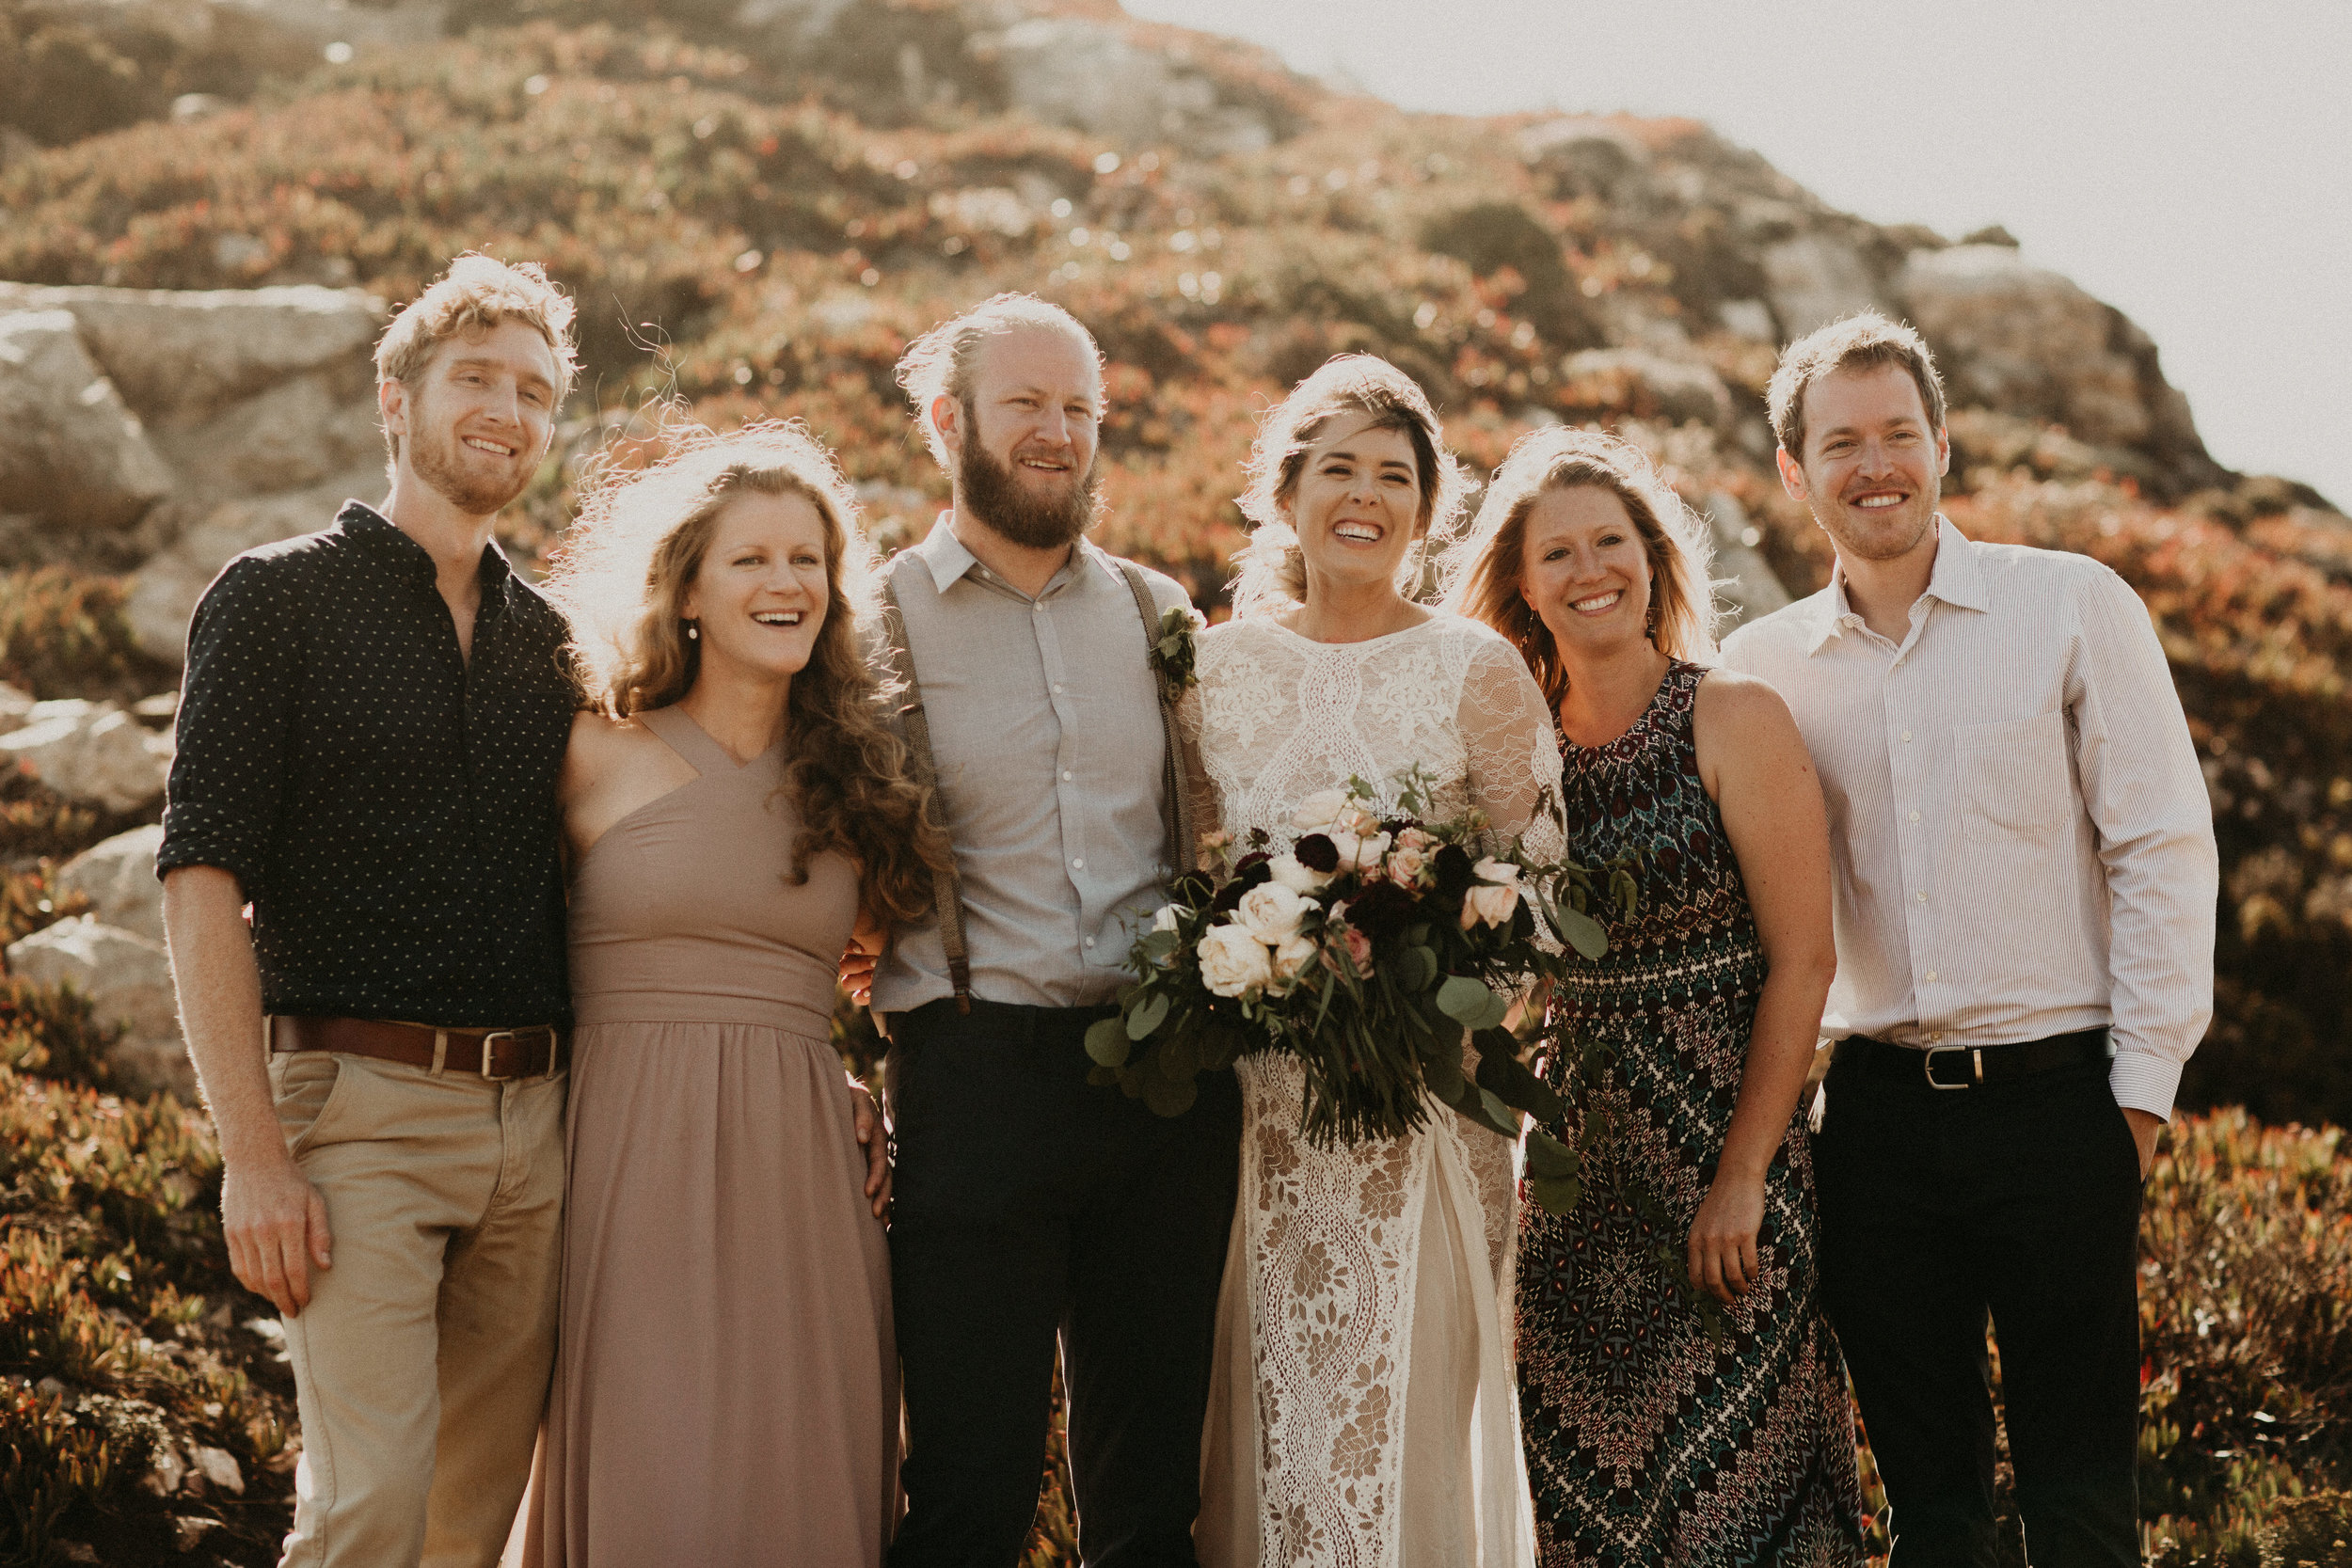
x: 368, y: 738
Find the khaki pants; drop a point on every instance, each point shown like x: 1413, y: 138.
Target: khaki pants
x: 422, y: 1364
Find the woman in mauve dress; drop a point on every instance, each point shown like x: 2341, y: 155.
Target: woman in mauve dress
x: 726, y: 1384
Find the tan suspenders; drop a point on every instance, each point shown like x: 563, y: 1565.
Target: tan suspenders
x: 1177, y: 810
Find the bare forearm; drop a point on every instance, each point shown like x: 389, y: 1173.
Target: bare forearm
x: 1780, y: 1054
x: 220, y: 1009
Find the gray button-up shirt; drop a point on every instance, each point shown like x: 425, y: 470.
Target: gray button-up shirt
x: 1045, y: 725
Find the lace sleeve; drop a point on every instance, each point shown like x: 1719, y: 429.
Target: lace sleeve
x: 1199, y: 788
x: 1513, y: 753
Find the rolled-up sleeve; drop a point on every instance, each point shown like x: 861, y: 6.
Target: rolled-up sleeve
x: 225, y: 796
x: 2146, y: 797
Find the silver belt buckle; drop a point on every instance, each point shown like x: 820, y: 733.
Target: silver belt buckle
x: 488, y: 1041
x: 1927, y: 1065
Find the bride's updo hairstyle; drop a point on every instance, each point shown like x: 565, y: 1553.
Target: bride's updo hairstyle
x: 1272, y: 572
x: 1485, y: 570
x: 621, y: 578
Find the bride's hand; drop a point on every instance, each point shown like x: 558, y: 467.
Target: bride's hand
x: 877, y: 1143
x: 1723, y: 1238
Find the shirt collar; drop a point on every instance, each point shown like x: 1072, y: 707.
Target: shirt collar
x: 364, y: 523
x: 1958, y: 580
x: 948, y: 559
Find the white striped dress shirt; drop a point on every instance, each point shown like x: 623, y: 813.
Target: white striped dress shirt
x: 2020, y: 836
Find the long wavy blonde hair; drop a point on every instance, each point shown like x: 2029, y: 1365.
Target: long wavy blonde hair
x: 1272, y: 574
x: 623, y: 577
x: 1486, y: 570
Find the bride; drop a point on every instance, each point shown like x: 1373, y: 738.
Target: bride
x: 1363, y: 1410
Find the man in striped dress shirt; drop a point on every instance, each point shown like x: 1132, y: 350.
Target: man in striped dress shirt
x: 2025, y: 881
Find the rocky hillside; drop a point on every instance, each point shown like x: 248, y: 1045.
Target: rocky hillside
x: 204, y: 207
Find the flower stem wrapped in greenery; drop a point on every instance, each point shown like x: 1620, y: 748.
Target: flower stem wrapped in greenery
x: 1366, y: 950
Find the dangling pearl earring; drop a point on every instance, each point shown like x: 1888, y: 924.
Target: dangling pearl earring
x: 694, y: 632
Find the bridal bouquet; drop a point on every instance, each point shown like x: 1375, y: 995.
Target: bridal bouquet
x: 1364, y: 950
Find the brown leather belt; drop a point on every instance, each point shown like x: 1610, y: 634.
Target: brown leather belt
x: 497, y: 1054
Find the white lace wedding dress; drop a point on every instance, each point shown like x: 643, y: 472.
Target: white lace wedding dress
x: 1364, y: 1413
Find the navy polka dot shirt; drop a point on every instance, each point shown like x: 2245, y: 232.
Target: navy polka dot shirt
x: 388, y: 805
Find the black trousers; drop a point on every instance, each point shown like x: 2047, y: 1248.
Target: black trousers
x: 1030, y: 1204
x: 2018, y: 1199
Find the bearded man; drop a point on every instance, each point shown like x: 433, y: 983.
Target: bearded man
x: 369, y: 737
x: 1031, y: 1204
x: 2023, y: 892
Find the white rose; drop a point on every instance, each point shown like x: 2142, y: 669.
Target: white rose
x: 1234, y: 963
x: 1300, y: 879
x: 1319, y: 810
x: 1359, y: 852
x: 1506, y: 873
x: 1272, y: 912
x: 1490, y: 904
x: 1293, y: 958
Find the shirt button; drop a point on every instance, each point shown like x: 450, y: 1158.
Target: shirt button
x: 1079, y: 863
x: 1066, y: 774
x: 1089, y: 942
x: 1057, y: 688
x: 1930, y: 975
x: 1934, y: 1038
x: 1923, y: 898
x: 1915, y: 817
x: 1906, y: 735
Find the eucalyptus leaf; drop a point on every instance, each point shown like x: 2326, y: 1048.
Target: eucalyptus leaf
x: 1548, y: 1157
x: 1170, y: 1099
x: 1555, y: 1194
x: 1106, y: 1044
x: 1178, y: 1057
x: 1499, y: 1114
x: 1464, y: 999
x: 1443, y: 1074
x: 1584, y: 932
x: 1415, y: 968
x: 1146, y: 1018
x: 1159, y: 945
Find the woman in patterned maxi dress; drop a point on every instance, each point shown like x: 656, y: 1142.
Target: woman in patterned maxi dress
x: 1361, y: 1410
x: 1652, y: 1435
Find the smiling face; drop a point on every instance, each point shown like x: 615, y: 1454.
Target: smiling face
x: 1872, y: 463
x: 1585, y: 570
x: 759, y: 595
x: 477, y: 419
x: 1024, y: 442
x: 1357, y: 503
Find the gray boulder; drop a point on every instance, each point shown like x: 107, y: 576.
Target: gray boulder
x: 1078, y: 70
x: 181, y: 355
x: 295, y: 434
x: 1813, y: 280
x: 127, y: 980
x: 2015, y: 336
x: 117, y: 877
x: 92, y: 751
x: 71, y: 452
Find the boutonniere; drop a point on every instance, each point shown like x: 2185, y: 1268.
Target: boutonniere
x: 1172, y: 652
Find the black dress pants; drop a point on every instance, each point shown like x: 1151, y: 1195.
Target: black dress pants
x: 2020, y: 1199
x: 1030, y: 1204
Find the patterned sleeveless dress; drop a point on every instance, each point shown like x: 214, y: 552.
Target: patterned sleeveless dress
x: 1648, y: 1440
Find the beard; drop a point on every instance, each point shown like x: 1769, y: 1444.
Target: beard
x: 1887, y: 537
x: 993, y: 494
x: 438, y: 458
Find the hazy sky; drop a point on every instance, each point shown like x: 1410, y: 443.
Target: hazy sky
x: 2189, y: 163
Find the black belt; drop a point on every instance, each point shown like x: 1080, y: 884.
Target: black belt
x: 1965, y: 1067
